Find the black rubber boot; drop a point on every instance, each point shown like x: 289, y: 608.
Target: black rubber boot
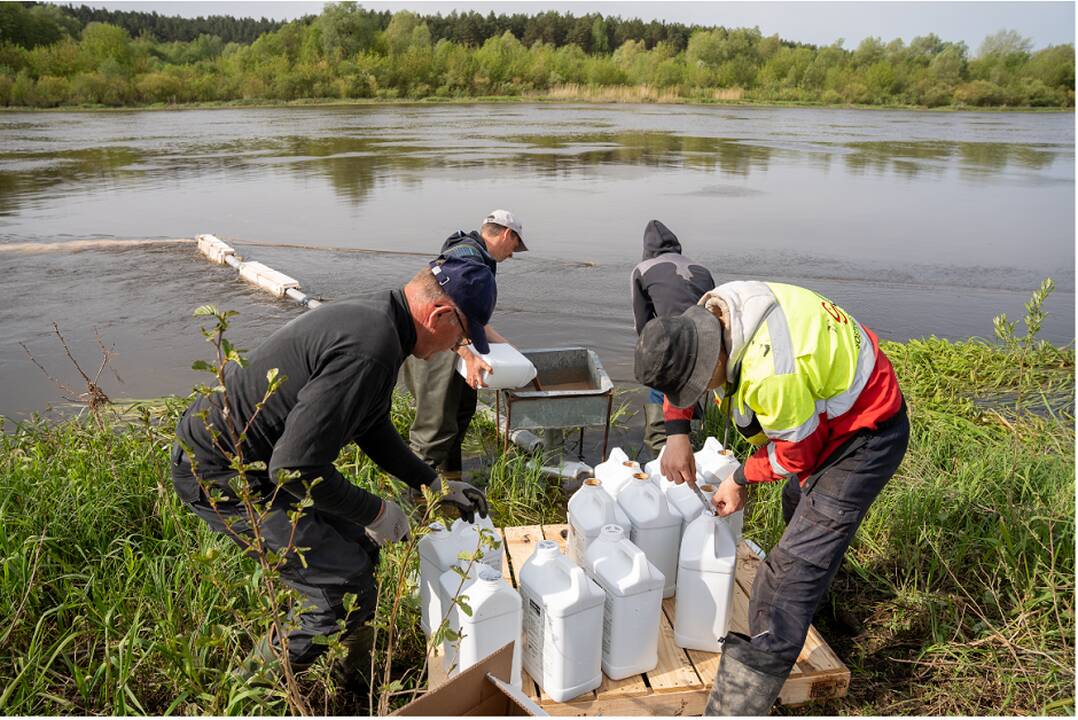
x: 263, y: 666
x: 354, y: 671
x: 748, y: 680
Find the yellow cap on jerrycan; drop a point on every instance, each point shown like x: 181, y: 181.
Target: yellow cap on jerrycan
x: 616, y: 472
x: 633, y: 588
x: 563, y: 624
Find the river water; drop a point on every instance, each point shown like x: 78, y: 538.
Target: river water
x: 918, y: 223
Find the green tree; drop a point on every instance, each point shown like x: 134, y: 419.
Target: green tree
x: 102, y: 44
x: 346, y: 29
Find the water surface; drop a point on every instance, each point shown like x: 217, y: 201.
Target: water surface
x: 918, y: 223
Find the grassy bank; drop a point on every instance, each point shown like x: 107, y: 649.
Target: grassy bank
x: 957, y: 596
x: 567, y: 94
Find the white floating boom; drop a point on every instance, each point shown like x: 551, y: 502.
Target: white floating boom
x: 276, y: 283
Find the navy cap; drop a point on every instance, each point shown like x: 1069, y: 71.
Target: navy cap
x: 471, y: 285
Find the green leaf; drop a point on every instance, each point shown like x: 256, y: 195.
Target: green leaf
x: 206, y: 311
x: 203, y: 365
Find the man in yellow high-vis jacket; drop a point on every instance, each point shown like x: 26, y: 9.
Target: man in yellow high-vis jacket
x: 810, y: 386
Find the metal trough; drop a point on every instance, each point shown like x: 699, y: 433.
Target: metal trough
x: 575, y: 392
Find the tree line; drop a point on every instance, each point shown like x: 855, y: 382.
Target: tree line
x: 52, y: 56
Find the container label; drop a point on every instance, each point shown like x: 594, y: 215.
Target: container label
x: 608, y: 622
x: 533, y: 631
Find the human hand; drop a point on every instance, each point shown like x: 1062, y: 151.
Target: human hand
x: 466, y: 498
x: 391, y: 525
x: 678, y: 464
x: 730, y: 497
x: 475, y: 366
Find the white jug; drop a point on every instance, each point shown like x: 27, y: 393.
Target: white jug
x: 563, y: 624
x: 469, y: 534
x: 509, y: 368
x: 705, y: 588
x: 438, y: 551
x: 714, y: 462
x: 452, y: 584
x: 495, y: 619
x: 589, y: 509
x: 633, y: 589
x: 655, y: 528
x: 681, y: 498
x: 616, y: 471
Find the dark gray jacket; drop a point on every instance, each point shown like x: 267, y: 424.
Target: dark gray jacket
x: 470, y: 244
x: 340, y: 362
x: 666, y: 282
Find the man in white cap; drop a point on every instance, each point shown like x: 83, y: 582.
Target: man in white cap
x: 445, y: 401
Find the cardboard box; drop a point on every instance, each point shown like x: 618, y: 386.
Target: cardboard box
x: 483, y: 689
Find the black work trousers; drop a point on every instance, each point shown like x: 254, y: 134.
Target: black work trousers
x: 821, y: 516
x: 339, y: 558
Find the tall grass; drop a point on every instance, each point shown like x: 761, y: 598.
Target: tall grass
x: 114, y: 599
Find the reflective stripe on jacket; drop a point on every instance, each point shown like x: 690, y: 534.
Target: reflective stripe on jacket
x: 806, y: 376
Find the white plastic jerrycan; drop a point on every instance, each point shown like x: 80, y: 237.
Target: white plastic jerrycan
x: 469, y: 537
x: 715, y: 462
x: 495, y: 619
x: 681, y: 499
x: 589, y: 509
x: 633, y: 589
x: 510, y: 369
x: 616, y: 471
x: 452, y: 584
x: 705, y: 588
x: 655, y: 528
x: 563, y: 624
x: 438, y: 551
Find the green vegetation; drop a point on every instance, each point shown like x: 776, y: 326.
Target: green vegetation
x: 114, y: 599
x: 51, y: 56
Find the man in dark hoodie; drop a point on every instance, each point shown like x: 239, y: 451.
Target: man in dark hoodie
x: 444, y: 401
x: 664, y: 284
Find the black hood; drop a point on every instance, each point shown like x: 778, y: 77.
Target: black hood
x: 658, y: 240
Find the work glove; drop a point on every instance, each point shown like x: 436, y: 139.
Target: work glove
x: 391, y: 525
x: 467, y: 499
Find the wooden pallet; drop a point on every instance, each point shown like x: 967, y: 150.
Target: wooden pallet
x: 680, y: 682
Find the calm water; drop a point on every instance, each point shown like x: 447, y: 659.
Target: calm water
x: 918, y: 223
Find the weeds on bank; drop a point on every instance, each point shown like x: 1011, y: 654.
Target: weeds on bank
x: 961, y: 578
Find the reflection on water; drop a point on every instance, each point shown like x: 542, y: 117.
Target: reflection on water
x: 355, y: 158
x: 920, y: 223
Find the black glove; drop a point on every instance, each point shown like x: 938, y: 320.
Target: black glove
x: 467, y: 499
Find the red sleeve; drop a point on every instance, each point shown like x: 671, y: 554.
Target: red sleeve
x: 779, y: 459
x: 678, y: 421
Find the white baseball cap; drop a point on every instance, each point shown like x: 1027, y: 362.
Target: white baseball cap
x: 507, y: 219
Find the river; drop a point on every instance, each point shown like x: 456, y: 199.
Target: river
x: 918, y: 223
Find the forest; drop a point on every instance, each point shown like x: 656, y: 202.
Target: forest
x: 64, y: 56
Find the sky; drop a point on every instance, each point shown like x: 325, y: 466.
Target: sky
x: 819, y: 23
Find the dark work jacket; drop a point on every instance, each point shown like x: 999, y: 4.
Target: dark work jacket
x: 470, y: 244
x: 340, y: 363
x: 666, y: 282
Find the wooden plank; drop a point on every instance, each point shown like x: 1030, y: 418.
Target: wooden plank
x: 520, y: 544
x: 674, y: 671
x: 507, y: 568
x: 627, y: 687
x: 705, y: 663
x: 675, y: 703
